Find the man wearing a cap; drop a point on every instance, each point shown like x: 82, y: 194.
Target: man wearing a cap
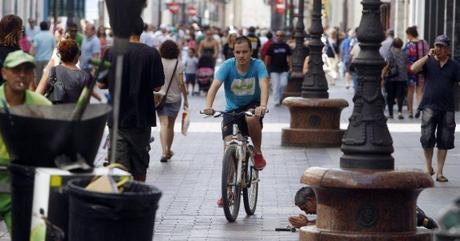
x: 18, y: 73
x: 438, y: 118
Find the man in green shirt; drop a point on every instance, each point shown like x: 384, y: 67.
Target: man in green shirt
x: 18, y: 73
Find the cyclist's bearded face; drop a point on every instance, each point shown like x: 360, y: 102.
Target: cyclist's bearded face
x: 242, y: 53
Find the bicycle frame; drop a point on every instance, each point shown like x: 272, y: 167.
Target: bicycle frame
x: 241, y: 143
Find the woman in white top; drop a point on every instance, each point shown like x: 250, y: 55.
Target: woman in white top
x: 174, y: 88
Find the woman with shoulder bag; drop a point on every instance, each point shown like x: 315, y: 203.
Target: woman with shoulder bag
x: 172, y: 91
x: 395, y: 77
x: 64, y: 83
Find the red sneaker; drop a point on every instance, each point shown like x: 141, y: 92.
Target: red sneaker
x: 220, y: 202
x: 259, y: 161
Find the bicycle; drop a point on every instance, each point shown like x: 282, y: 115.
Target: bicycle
x: 239, y: 177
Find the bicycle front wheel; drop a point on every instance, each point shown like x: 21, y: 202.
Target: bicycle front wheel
x: 230, y: 188
x: 251, y: 191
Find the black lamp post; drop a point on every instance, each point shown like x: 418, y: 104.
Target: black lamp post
x: 380, y: 201
x: 315, y: 83
x: 300, y: 51
x: 368, y: 143
x: 313, y: 114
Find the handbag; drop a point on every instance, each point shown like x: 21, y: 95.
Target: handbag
x: 159, y: 99
x: 55, y: 91
x: 185, y: 123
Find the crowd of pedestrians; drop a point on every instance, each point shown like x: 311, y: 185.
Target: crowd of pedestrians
x: 175, y: 62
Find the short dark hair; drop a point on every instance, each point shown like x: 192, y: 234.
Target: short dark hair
x: 302, y: 196
x: 269, y: 35
x: 72, y: 25
x: 169, y: 50
x: 44, y: 26
x: 243, y: 39
x: 138, y: 27
x: 397, y: 43
x: 412, y: 31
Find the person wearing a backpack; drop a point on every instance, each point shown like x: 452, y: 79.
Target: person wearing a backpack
x: 395, y: 77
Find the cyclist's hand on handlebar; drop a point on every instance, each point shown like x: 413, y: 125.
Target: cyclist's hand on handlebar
x: 208, y: 111
x: 260, y: 111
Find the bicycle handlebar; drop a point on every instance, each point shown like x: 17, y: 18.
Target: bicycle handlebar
x: 219, y: 113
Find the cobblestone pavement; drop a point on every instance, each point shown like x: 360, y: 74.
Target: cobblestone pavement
x: 190, y: 182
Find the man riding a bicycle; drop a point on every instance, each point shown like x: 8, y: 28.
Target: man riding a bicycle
x: 246, y: 86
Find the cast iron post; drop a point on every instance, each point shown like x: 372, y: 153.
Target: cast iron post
x: 315, y: 83
x: 300, y: 51
x: 367, y: 142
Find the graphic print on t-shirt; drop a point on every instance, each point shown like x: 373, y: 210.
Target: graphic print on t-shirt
x: 242, y: 87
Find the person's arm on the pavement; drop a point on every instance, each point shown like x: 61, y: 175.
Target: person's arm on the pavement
x: 418, y: 65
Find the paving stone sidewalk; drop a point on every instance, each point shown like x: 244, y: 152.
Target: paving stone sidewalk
x: 190, y: 182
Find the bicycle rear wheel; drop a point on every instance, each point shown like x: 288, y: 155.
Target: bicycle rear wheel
x: 230, y: 188
x: 251, y: 191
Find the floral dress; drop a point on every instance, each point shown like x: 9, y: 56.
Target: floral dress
x: 414, y: 51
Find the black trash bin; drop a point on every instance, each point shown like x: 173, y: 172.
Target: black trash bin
x: 127, y: 216
x: 22, y: 190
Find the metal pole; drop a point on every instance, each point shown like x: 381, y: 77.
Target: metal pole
x: 367, y: 142
x: 315, y: 83
x: 300, y: 50
x: 116, y: 106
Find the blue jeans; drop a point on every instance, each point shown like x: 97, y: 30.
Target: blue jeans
x: 279, y: 82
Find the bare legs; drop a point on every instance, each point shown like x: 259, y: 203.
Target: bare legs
x: 441, y: 158
x: 167, y: 134
x: 255, y: 132
x: 411, y: 90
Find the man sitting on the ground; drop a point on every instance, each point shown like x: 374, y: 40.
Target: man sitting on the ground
x: 305, y: 199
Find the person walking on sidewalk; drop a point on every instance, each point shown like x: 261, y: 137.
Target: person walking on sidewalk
x: 18, y: 73
x: 142, y: 74
x: 437, y: 105
x: 245, y: 81
x: 415, y: 49
x: 278, y: 61
x: 172, y: 90
x: 43, y: 45
x: 395, y: 77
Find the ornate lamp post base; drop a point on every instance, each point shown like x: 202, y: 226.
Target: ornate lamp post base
x: 312, y: 118
x: 365, y: 205
x: 294, y: 86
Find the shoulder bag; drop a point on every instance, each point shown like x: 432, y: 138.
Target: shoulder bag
x: 55, y: 91
x: 159, y: 98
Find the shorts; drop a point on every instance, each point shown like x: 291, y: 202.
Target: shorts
x: 170, y: 109
x: 190, y: 78
x: 438, y: 127
x: 133, y: 148
x: 228, y: 121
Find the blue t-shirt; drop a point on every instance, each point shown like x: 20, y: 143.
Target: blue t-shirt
x: 241, y: 89
x: 89, y: 47
x: 44, y: 45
